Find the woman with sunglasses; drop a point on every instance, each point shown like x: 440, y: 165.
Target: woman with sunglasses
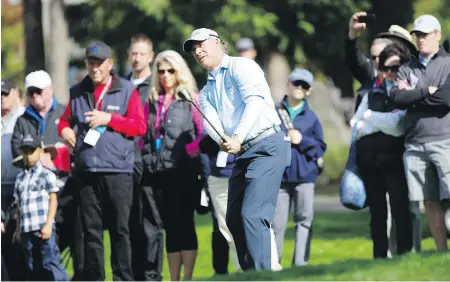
x: 380, y: 147
x: 171, y: 158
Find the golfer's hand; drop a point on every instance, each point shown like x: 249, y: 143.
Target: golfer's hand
x: 223, y: 143
x: 233, y: 146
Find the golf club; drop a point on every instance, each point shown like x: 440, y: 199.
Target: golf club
x: 184, y: 95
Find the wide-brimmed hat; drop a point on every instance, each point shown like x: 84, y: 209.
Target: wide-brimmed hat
x: 399, y: 33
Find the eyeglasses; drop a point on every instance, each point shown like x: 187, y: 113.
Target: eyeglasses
x: 32, y: 90
x: 5, y: 93
x: 374, y: 57
x: 171, y: 71
x: 394, y: 68
x: 301, y: 83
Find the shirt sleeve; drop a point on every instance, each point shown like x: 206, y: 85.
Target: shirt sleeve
x: 361, y: 66
x: 363, y: 106
x: 313, y: 145
x: 391, y: 123
x: 51, y: 185
x: 253, y: 89
x: 16, y: 138
x: 16, y: 189
x: 133, y: 123
x: 403, y: 97
x: 211, y: 114
x: 250, y: 79
x: 253, y: 107
x: 64, y: 120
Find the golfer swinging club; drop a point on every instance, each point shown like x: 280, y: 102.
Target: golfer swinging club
x: 237, y: 101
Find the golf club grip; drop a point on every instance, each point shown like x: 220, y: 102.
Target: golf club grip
x: 221, y: 136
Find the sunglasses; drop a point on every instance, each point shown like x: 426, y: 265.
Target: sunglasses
x: 301, y: 83
x: 390, y: 68
x: 5, y: 93
x: 32, y: 90
x: 171, y: 71
x: 418, y: 34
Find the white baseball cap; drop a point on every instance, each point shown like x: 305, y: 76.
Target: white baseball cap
x: 426, y: 24
x: 39, y: 79
x: 200, y: 34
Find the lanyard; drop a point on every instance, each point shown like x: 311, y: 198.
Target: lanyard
x: 161, y: 114
x: 102, y: 95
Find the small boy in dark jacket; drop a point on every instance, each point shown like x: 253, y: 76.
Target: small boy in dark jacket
x: 303, y: 128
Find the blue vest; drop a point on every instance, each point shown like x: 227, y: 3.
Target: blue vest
x: 113, y: 151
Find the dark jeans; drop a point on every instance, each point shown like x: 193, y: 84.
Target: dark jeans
x: 68, y: 225
x: 389, y: 179
x: 43, y: 257
x: 220, y: 248
x: 146, y: 230
x: 12, y: 253
x: 106, y: 196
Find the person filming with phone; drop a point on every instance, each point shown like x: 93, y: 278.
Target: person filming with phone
x: 365, y: 68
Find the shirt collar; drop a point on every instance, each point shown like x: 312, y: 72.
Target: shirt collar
x: 35, y: 168
x: 223, y: 65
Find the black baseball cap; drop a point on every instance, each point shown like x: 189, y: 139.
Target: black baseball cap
x: 98, y: 50
x: 30, y: 141
x: 7, y: 85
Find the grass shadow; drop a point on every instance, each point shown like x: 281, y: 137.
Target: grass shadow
x: 335, y: 225
x: 401, y: 268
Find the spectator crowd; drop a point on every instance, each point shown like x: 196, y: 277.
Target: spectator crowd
x: 133, y: 156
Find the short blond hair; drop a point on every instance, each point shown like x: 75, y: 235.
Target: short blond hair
x: 185, y: 79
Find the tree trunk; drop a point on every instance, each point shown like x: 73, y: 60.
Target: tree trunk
x: 58, y: 46
x: 34, y: 38
x: 277, y: 73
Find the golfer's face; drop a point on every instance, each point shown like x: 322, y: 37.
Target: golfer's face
x: 205, y: 53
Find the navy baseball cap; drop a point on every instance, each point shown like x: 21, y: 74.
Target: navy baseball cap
x: 302, y: 75
x: 7, y: 85
x: 98, y: 50
x: 31, y: 142
x: 244, y: 44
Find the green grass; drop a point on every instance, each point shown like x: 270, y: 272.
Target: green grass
x: 341, y: 250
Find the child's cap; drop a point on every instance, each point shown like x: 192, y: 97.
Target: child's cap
x: 31, y: 142
x: 302, y: 75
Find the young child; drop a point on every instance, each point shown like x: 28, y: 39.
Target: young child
x: 35, y: 192
x: 301, y: 124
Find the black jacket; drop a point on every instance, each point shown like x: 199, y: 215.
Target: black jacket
x: 178, y: 130
x: 31, y: 123
x: 143, y: 88
x: 144, y: 91
x: 379, y: 150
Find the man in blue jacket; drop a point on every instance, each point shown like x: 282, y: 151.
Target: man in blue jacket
x: 303, y: 127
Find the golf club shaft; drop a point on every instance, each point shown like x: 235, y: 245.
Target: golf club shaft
x: 221, y: 136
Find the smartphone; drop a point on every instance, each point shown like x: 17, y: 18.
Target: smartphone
x: 369, y: 18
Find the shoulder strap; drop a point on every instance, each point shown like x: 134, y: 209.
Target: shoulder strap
x: 285, y: 118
